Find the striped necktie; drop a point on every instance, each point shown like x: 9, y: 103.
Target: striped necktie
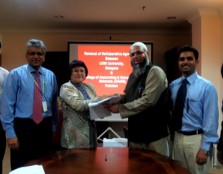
x: 83, y: 91
x: 37, y: 104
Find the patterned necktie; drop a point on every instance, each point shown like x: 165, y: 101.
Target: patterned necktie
x: 37, y: 107
x: 83, y: 91
x: 179, y: 105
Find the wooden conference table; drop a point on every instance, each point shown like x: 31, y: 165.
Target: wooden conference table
x: 109, y: 161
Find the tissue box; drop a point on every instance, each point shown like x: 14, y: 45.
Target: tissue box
x: 115, y: 142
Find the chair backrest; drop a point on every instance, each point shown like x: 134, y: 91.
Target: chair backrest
x: 57, y: 137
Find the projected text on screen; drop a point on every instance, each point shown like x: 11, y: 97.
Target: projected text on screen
x: 108, y: 65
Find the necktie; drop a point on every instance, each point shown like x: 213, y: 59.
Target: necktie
x: 83, y: 91
x: 179, y: 105
x: 37, y: 107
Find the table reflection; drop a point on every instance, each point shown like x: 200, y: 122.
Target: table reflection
x: 109, y: 161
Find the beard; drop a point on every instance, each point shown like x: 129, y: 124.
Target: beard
x: 140, y: 68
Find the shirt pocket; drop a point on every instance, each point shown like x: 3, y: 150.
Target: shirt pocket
x: 194, y: 107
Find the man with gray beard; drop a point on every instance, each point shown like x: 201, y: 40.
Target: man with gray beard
x: 144, y: 103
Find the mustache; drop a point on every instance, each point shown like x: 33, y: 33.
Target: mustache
x: 184, y: 65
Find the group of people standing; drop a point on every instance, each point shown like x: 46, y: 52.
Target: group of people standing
x: 155, y: 109
x: 186, y: 111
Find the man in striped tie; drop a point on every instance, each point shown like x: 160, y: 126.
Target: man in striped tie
x: 29, y: 110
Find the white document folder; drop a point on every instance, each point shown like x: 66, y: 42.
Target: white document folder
x: 98, y: 110
x: 34, y: 169
x: 115, y: 142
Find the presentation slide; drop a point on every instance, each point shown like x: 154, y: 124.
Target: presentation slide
x: 108, y: 64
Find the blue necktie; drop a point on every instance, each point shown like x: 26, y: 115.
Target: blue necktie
x: 83, y: 91
x: 179, y: 105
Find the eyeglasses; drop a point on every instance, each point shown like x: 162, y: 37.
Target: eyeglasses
x: 136, y: 53
x: 36, y: 53
x: 76, y: 71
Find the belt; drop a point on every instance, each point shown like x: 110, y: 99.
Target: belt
x: 196, y: 132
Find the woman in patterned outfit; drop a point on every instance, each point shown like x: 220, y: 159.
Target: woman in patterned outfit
x: 78, y: 130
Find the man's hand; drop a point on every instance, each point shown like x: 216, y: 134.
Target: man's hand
x: 202, y: 157
x: 114, y: 108
x: 13, y: 143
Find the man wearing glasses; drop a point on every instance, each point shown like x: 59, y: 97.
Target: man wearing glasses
x: 141, y: 103
x: 29, y: 107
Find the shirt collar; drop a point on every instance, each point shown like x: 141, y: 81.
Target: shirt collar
x: 31, y: 69
x: 190, y: 79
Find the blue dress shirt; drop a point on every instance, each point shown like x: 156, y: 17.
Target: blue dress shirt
x: 200, y: 109
x: 17, y: 96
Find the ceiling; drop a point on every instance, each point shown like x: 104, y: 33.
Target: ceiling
x: 112, y: 14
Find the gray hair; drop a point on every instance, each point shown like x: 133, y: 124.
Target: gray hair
x: 139, y: 44
x: 36, y: 43
x: 142, y: 47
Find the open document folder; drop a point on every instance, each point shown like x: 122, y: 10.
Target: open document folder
x: 98, y: 110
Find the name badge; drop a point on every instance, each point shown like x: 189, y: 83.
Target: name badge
x: 44, y: 106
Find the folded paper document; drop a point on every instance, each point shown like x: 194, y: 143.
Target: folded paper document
x: 115, y: 142
x: 34, y: 169
x: 98, y: 110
